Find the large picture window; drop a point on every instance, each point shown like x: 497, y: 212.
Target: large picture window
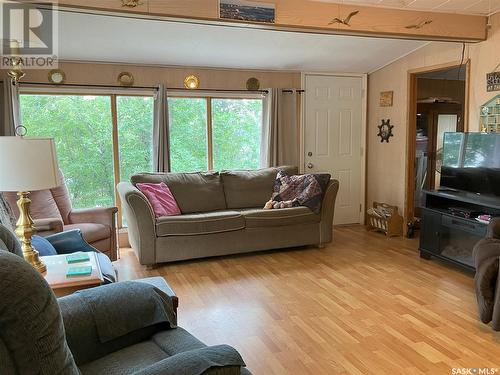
x: 100, y: 140
x: 214, y: 133
x: 103, y: 139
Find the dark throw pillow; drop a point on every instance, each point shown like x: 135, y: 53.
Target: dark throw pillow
x: 302, y: 190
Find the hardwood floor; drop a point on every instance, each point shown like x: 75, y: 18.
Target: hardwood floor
x: 365, y: 304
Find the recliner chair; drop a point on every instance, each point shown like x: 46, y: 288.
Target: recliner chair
x: 486, y: 256
x: 52, y: 212
x: 116, y: 329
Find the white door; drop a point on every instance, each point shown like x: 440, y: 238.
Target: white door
x: 333, y: 133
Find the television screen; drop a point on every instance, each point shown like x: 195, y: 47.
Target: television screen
x: 471, y: 162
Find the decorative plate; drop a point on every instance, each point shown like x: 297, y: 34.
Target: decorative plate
x: 253, y: 84
x: 125, y: 79
x: 191, y: 82
x: 57, y: 76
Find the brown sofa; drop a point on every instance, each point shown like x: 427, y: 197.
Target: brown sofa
x: 221, y: 214
x: 52, y: 213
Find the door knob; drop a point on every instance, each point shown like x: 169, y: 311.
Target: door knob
x: 310, y: 165
x: 309, y: 153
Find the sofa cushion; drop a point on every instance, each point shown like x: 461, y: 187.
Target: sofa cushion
x: 251, y: 188
x: 168, y: 352
x: 194, y: 192
x: 91, y: 232
x: 126, y: 361
x: 199, y: 223
x: 258, y: 217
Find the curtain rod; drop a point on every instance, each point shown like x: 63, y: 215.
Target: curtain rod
x: 83, y: 85
x: 149, y: 87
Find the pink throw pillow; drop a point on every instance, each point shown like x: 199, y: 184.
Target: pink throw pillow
x: 161, y: 199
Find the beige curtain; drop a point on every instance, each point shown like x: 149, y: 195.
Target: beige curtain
x: 161, y: 147
x: 279, y: 145
x: 9, y: 107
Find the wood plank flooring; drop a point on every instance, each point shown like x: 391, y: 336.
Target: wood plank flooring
x: 365, y: 304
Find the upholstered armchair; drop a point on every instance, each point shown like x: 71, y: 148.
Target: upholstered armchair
x: 53, y: 212
x: 487, y: 279
x: 115, y: 329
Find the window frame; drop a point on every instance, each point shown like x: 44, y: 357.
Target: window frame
x: 112, y: 94
x: 208, y: 96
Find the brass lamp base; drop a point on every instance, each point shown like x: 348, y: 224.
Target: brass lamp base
x: 25, y: 230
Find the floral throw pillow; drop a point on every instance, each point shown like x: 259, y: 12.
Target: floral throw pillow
x: 299, y: 190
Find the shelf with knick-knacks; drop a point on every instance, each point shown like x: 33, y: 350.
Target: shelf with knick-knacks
x: 489, y: 119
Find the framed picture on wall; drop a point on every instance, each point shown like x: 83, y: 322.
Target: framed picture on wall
x: 247, y: 11
x: 386, y: 98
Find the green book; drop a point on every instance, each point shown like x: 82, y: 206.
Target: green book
x: 77, y: 258
x: 79, y: 271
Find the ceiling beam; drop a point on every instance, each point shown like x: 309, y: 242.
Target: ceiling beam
x: 307, y: 16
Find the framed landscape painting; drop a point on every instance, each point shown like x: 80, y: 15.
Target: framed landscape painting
x: 247, y: 11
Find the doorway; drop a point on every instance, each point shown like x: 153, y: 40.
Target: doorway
x: 334, y: 138
x: 438, y: 104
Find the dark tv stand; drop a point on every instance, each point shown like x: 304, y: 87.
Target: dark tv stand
x: 447, y: 236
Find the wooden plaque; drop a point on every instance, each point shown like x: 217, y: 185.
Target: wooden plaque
x: 386, y: 98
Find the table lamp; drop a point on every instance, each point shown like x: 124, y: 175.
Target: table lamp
x: 27, y: 164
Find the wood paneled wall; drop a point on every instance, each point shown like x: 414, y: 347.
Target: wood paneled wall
x: 308, y: 15
x: 106, y: 74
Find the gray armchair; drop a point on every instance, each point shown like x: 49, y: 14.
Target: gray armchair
x: 120, y: 328
x: 486, y: 256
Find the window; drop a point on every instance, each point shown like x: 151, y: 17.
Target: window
x: 236, y: 132
x: 214, y: 133
x: 82, y: 129
x: 188, y: 134
x: 135, y: 134
x: 95, y: 149
x: 106, y: 138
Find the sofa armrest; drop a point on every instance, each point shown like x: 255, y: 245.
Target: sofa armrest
x: 97, y: 215
x: 48, y: 226
x: 141, y: 222
x: 494, y: 229
x: 81, y: 318
x: 160, y: 283
x: 327, y: 211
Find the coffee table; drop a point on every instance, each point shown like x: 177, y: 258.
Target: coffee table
x: 62, y: 285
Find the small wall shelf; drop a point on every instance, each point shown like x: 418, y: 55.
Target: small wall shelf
x: 489, y: 119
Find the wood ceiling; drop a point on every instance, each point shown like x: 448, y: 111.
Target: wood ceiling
x: 474, y: 7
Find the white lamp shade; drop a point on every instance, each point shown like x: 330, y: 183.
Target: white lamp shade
x: 27, y: 164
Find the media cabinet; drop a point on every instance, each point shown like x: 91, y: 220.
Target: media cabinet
x: 448, y: 236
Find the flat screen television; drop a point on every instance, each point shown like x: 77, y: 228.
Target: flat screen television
x: 471, y: 162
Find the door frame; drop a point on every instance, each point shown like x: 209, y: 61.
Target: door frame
x: 411, y: 134
x: 364, y: 115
